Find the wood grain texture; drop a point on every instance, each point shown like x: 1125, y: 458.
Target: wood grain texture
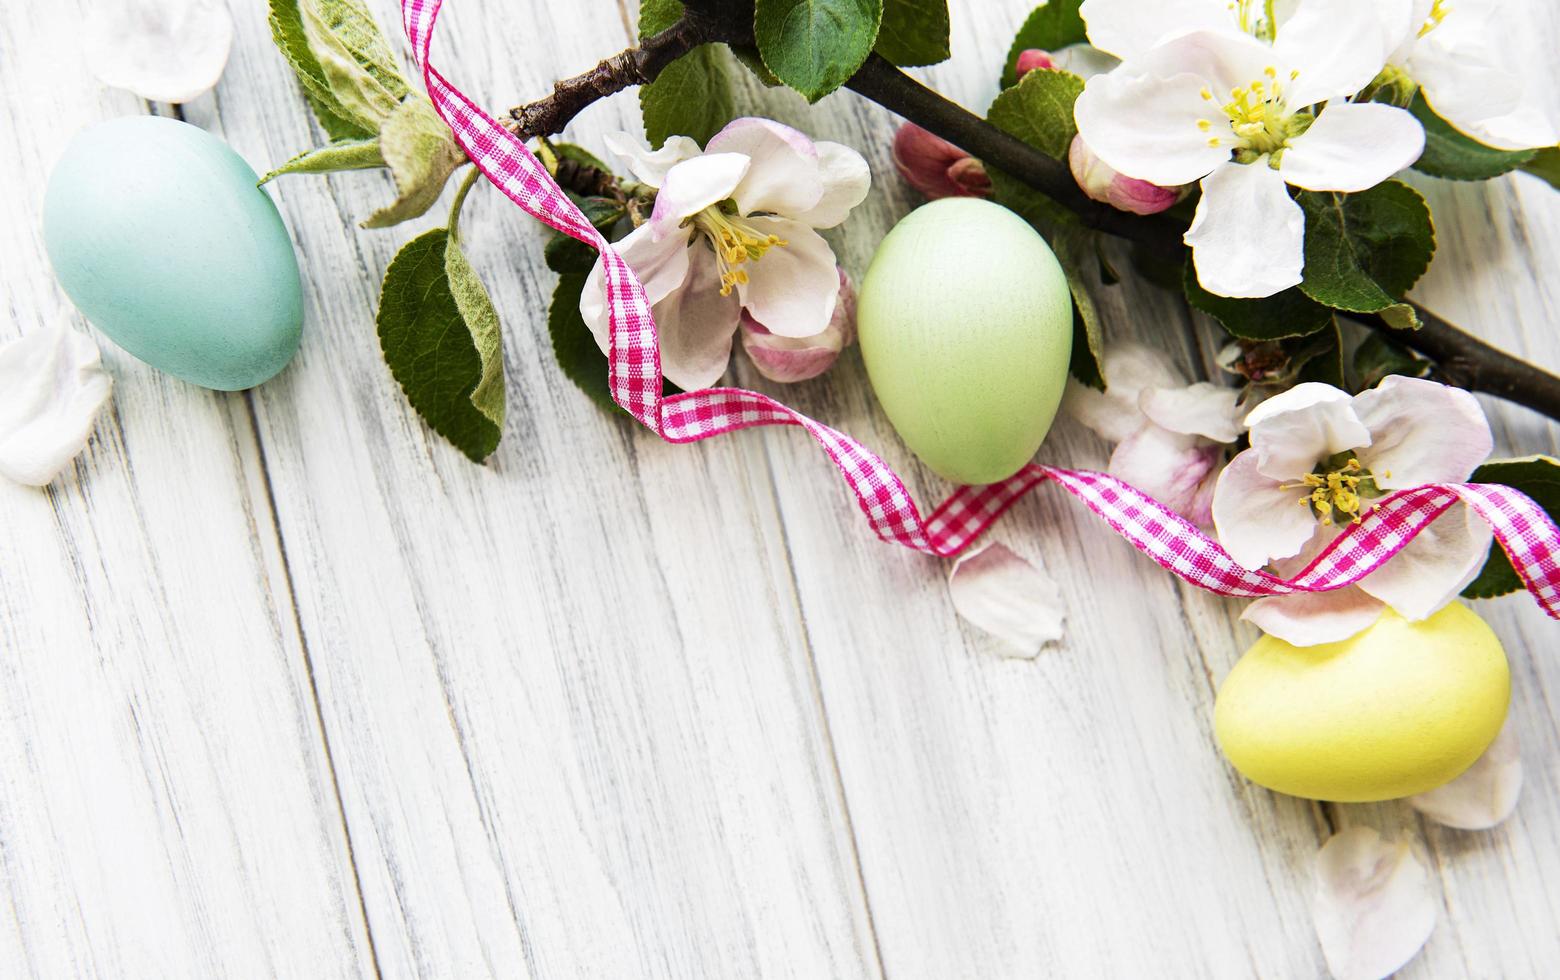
x: 290, y: 688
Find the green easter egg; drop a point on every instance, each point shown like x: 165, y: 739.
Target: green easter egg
x: 158, y: 234
x: 965, y: 322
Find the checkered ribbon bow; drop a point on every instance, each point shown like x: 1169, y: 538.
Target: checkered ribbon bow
x: 1527, y: 534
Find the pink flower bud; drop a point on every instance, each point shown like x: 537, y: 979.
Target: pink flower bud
x: 799, y: 358
x: 1102, y: 183
x: 936, y: 167
x: 1031, y: 58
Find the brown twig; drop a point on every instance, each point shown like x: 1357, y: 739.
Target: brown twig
x: 1460, y: 357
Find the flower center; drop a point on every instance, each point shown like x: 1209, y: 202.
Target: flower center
x: 1438, y: 11
x: 1336, y: 489
x: 1260, y: 121
x: 735, y: 241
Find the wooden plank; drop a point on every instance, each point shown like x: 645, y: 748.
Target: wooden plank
x: 574, y: 722
x: 168, y: 808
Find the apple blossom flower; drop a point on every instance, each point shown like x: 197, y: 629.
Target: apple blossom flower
x: 1169, y: 435
x: 1084, y: 60
x: 1031, y: 58
x: 1237, y: 114
x: 800, y: 358
x: 162, y: 50
x: 1124, y: 193
x: 733, y: 230
x: 936, y: 167
x: 1452, y: 52
x: 1318, y: 458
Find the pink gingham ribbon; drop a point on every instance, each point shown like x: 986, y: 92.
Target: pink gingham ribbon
x: 1527, y: 534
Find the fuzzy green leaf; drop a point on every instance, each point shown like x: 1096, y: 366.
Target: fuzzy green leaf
x: 1363, y: 251
x: 692, y: 95
x: 1450, y: 154
x: 1051, y: 27
x: 354, y: 60
x: 1077, y: 251
x: 1287, y: 314
x: 1545, y: 165
x: 815, y: 45
x: 447, y: 364
x: 1539, y: 478
x: 421, y: 154
x: 1039, y: 111
x: 914, y: 32
x: 287, y: 31
x: 340, y: 155
x: 578, y: 355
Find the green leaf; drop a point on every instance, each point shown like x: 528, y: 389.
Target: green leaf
x: 340, y: 155
x: 354, y: 61
x: 1545, y: 165
x: 1039, y: 111
x: 692, y: 95
x: 287, y: 31
x: 1363, y: 251
x: 1287, y: 314
x: 1539, y: 478
x: 1318, y: 357
x: 447, y: 364
x: 1378, y: 355
x: 573, y: 345
x: 1077, y: 251
x: 753, y: 62
x: 421, y: 154
x: 1051, y: 27
x: 1450, y: 154
x: 914, y: 32
x: 815, y: 45
x: 564, y: 254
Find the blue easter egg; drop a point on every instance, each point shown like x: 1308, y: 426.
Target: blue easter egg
x: 158, y: 234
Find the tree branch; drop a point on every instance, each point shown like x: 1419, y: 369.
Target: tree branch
x: 1461, y: 358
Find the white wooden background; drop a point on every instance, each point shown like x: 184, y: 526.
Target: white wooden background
x: 290, y: 688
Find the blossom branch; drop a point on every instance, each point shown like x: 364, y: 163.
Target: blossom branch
x: 1461, y: 358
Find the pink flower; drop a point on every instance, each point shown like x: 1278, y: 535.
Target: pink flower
x: 1124, y: 193
x: 799, y: 358
x: 936, y: 167
x: 1031, y: 58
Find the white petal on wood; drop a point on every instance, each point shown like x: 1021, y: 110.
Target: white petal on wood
x: 162, y: 50
x: 1008, y: 597
x: 1374, y: 904
x: 52, y: 385
x: 1483, y: 796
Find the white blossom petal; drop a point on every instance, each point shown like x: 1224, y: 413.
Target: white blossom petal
x: 783, y: 176
x: 792, y: 289
x: 1374, y: 904
x: 1421, y: 432
x: 1433, y: 568
x: 1009, y: 597
x: 1127, y: 29
x: 162, y: 50
x: 1329, y: 67
x: 1203, y: 409
x: 1311, y: 618
x: 1128, y: 368
x: 1296, y: 429
x: 693, y: 185
x: 1168, y: 466
x: 1084, y: 60
x: 696, y: 324
x: 1483, y: 796
x: 661, y: 265
x: 1248, y: 235
x: 846, y: 180
x: 52, y: 386
x: 1353, y: 146
x: 1256, y: 519
x: 1145, y: 126
x: 650, y: 166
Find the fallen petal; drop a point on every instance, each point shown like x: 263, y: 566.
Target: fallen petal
x: 1374, y: 904
x: 170, y: 51
x: 1483, y: 796
x: 1007, y: 597
x: 52, y: 384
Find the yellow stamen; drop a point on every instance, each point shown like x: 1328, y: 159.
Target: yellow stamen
x: 735, y: 242
x: 1336, y: 494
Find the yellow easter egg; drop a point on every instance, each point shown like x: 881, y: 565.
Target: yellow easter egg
x: 1397, y: 709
